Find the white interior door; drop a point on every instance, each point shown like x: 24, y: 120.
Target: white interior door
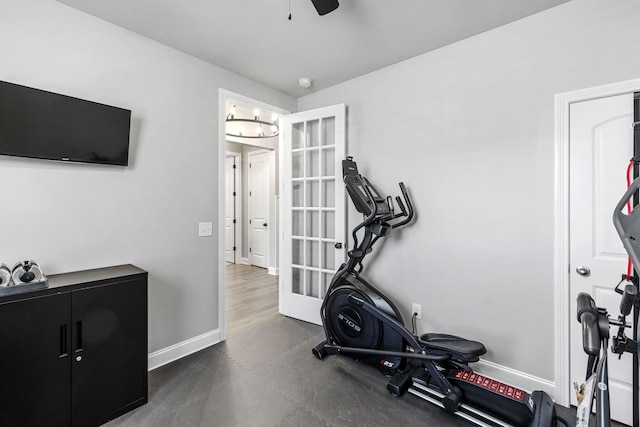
x: 600, y: 148
x: 230, y: 211
x: 259, y: 191
x: 313, y: 208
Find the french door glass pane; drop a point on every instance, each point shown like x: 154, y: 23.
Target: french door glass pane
x: 297, y: 194
x: 313, y: 193
x: 313, y: 224
x: 328, y: 256
x: 328, y: 224
x: 313, y: 284
x: 328, y: 131
x: 313, y: 133
x: 328, y: 193
x: 313, y: 254
x: 313, y: 163
x: 328, y: 162
x: 297, y: 280
x: 297, y: 223
x: 297, y: 252
x: 297, y: 135
x: 297, y: 164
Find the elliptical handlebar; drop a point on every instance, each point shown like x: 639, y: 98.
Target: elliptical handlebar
x: 372, y: 214
x: 407, y: 214
x: 379, y: 213
x: 629, y: 296
x: 588, y: 318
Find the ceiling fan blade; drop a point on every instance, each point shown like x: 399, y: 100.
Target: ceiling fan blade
x: 325, y: 6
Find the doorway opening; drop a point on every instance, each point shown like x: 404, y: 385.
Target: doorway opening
x: 248, y: 261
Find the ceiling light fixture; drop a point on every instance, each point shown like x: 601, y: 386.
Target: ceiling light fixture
x: 244, y: 127
x: 325, y: 6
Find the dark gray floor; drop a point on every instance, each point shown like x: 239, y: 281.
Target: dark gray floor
x: 268, y: 377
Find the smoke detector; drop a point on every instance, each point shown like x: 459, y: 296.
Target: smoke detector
x: 305, y: 82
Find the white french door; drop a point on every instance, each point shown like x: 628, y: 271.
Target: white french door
x: 313, y: 208
x: 600, y: 147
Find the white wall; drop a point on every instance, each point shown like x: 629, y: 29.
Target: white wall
x: 469, y: 129
x: 70, y: 216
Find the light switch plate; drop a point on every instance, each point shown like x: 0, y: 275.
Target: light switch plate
x: 205, y: 229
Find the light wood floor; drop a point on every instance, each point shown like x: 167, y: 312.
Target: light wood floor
x: 252, y: 298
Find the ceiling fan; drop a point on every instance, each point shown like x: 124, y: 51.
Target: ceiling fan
x: 325, y: 6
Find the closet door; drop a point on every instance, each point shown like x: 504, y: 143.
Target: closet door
x: 109, y: 351
x: 34, y: 361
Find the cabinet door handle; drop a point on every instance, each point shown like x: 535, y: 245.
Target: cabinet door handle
x: 78, y: 336
x: 63, y: 341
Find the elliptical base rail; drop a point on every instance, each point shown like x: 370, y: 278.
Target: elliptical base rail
x: 465, y: 411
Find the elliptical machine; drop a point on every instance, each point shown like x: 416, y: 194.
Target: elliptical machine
x: 363, y: 323
x: 346, y: 323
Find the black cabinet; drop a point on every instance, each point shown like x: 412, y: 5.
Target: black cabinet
x: 76, y: 352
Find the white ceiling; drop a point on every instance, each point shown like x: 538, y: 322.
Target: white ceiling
x: 254, y: 37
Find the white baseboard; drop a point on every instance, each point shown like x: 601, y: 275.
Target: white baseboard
x: 273, y: 271
x: 182, y: 349
x: 515, y: 378
x: 244, y: 261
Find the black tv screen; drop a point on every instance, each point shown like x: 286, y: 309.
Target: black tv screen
x: 45, y: 125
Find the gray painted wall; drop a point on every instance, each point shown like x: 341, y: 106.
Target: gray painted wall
x: 470, y: 129
x: 70, y: 216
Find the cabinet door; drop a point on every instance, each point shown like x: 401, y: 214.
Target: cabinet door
x: 109, y: 344
x: 34, y: 361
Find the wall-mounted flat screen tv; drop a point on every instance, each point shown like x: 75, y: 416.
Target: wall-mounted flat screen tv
x: 45, y: 125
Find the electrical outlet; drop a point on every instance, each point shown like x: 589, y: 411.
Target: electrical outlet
x: 417, y: 310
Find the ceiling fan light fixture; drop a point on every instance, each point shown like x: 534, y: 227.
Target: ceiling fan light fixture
x: 325, y: 6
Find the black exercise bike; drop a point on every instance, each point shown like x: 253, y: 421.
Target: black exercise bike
x: 361, y: 322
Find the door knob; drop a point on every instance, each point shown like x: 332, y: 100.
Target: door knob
x: 338, y: 245
x: 583, y: 271
x: 264, y: 225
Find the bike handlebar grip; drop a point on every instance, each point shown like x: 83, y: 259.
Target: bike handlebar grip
x: 403, y: 189
x: 628, y: 299
x: 401, y: 205
x: 585, y: 304
x: 409, y: 208
x: 588, y: 317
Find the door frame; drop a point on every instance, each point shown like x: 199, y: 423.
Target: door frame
x: 563, y: 317
x: 270, y: 207
x: 237, y: 201
x: 225, y: 96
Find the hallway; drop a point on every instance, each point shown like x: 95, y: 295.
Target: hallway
x: 252, y: 298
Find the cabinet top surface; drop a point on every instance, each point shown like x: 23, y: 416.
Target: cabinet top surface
x: 93, y: 275
x: 79, y: 279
